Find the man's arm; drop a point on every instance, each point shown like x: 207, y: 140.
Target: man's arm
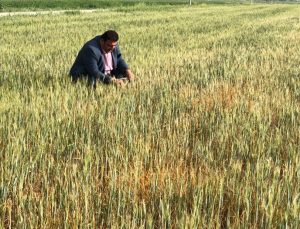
x: 129, y: 74
x: 121, y: 63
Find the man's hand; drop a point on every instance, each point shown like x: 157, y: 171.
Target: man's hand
x: 129, y: 75
x: 118, y: 82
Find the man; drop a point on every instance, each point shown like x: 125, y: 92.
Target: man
x: 101, y: 59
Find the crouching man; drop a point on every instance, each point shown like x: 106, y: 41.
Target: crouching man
x: 101, y: 59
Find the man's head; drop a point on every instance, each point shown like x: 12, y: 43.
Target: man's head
x: 109, y: 40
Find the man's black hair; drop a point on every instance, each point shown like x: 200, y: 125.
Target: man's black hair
x: 110, y: 35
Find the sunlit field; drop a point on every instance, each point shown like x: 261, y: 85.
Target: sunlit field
x: 206, y: 137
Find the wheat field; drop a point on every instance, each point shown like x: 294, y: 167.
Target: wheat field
x: 206, y: 137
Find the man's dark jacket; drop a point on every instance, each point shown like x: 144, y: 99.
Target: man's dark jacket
x: 89, y: 62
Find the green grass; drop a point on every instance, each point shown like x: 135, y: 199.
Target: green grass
x: 25, y: 5
x: 17, y: 5
x: 207, y: 136
x: 38, y: 5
